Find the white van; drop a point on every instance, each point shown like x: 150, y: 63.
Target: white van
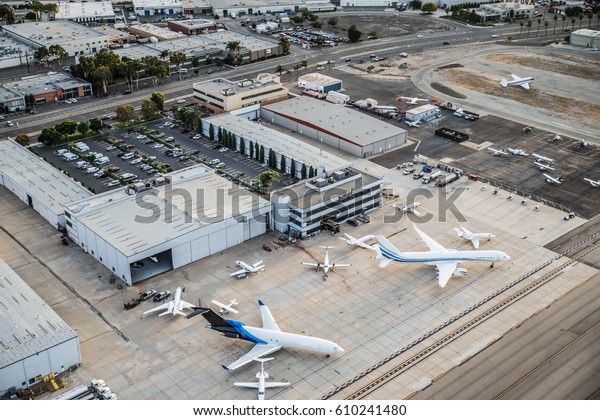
x: 128, y: 176
x: 103, y: 160
x: 80, y: 164
x: 70, y: 156
x: 127, y: 156
x: 183, y: 70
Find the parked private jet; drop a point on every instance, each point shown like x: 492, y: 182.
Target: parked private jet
x: 444, y: 259
x: 524, y: 82
x: 411, y: 101
x: 473, y: 237
x: 225, y: 309
x: 262, y: 383
x: 247, y: 268
x: 497, y: 152
x: 173, y: 307
x: 325, y: 265
x: 552, y: 180
x: 409, y: 208
x: 413, y: 123
x: 543, y: 167
x: 519, y: 152
x: 267, y: 339
x: 361, y: 242
x: 595, y: 184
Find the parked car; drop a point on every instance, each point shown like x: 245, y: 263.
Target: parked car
x: 113, y: 183
x: 352, y: 222
x: 223, y: 149
x: 197, y: 136
x: 132, y: 303
x: 169, y: 139
x: 364, y: 218
x: 109, y: 148
x: 148, y: 294
x: 159, y: 297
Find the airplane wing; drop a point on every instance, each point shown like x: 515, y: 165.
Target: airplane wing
x: 242, y: 271
x: 525, y: 85
x: 228, y: 308
x: 433, y: 245
x: 186, y: 305
x: 256, y: 264
x: 341, y: 265
x: 158, y: 308
x: 475, y: 242
x: 258, y: 350
x: 311, y: 264
x: 269, y: 322
x: 275, y: 384
x: 248, y: 384
x: 445, y: 270
x: 515, y: 77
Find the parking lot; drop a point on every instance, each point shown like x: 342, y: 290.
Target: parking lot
x: 143, y: 156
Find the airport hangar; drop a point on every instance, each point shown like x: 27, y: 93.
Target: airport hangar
x: 34, y: 341
x: 337, y: 126
x: 37, y: 183
x: 197, y: 213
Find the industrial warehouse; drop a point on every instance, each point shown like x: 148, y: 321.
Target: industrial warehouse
x: 343, y: 128
x: 34, y: 341
x: 144, y: 230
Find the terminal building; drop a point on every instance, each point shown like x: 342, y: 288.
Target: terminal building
x: 296, y: 153
x: 143, y: 230
x: 343, y: 128
x: 37, y: 183
x: 34, y: 341
x: 308, y: 207
x: 222, y: 95
x: 319, y: 82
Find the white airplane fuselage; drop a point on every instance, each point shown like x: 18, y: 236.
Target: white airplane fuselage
x: 435, y: 257
x: 292, y: 341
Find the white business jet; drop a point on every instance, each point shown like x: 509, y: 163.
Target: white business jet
x: 409, y: 208
x: 267, y: 339
x: 361, y: 242
x: 262, y: 383
x: 325, y: 265
x: 225, y: 309
x: 411, y: 101
x: 524, y: 82
x: 444, y: 259
x: 497, y: 152
x: 473, y: 237
x: 552, y: 180
x: 173, y: 307
x: 595, y: 184
x: 247, y: 268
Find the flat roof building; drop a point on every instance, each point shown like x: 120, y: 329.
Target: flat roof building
x: 502, y: 11
x: 86, y: 11
x: 192, y: 26
x: 585, y: 38
x: 335, y: 125
x: 74, y: 38
x: 222, y: 95
x: 252, y: 47
x: 292, y: 148
x: 148, y: 30
x: 195, y: 214
x: 425, y: 112
x: 307, y: 207
x: 319, y: 82
x: 226, y: 7
x: 34, y: 341
x: 50, y: 87
x: 37, y: 183
x: 157, y: 7
x: 196, y: 7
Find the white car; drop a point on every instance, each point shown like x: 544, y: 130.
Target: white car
x: 136, y: 161
x: 9, y: 123
x: 320, y: 68
x: 495, y: 36
x: 169, y: 139
x: 419, y: 36
x: 113, y: 183
x: 403, y: 54
x: 197, y: 136
x: 140, y: 136
x: 181, y: 101
x: 73, y: 100
x: 223, y: 149
x: 91, y: 170
x: 109, y: 148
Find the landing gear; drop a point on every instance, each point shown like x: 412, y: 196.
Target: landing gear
x: 325, y: 277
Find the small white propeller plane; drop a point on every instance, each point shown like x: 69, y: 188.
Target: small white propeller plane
x: 413, y: 123
x: 541, y: 158
x: 411, y: 101
x: 225, y: 309
x: 519, y: 152
x: 361, y: 242
x: 325, y: 265
x: 552, y: 180
x: 497, y: 152
x: 247, y: 268
x: 267, y: 339
x: 262, y: 377
x: 173, y: 307
x: 595, y: 184
x: 542, y: 166
x: 524, y: 82
x: 473, y: 237
x: 409, y: 208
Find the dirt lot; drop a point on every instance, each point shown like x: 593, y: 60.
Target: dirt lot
x: 385, y: 25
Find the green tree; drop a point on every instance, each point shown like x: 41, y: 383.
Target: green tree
x: 165, y: 57
x: 157, y: 72
x: 42, y: 54
x: 354, y: 34
x: 333, y: 21
x: 66, y: 127
x: 573, y: 20
x: 539, y: 22
x: 251, y: 149
x: 256, y: 151
x: 211, y: 132
x: 234, y: 48
x: 373, y: 35
x: 304, y: 63
x: 58, y: 52
x: 50, y: 137
x: 319, y: 40
x: 303, y: 171
x: 262, y: 154
x: 546, y: 23
x: 590, y: 16
x: 285, y: 45
x: 521, y: 23
x: 159, y: 99
x: 107, y: 58
x: 429, y: 8
x: 267, y: 179
x: 272, y: 159
x: 125, y: 112
x: 529, y: 24
x: 316, y: 25
x: 282, y: 167
x: 555, y: 20
x: 6, y: 14
x: 95, y: 125
x: 416, y: 4
x: 22, y: 139
x: 242, y: 145
x: 178, y: 58
x: 104, y: 76
x: 311, y: 172
x: 83, y: 127
x: 88, y: 65
x: 293, y: 168
x: 220, y: 136
x: 297, y: 19
x: 280, y: 69
x: 580, y: 16
x: 149, y: 109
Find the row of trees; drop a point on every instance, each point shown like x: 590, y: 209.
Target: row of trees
x: 573, y: 20
x: 45, y: 54
x: 62, y: 132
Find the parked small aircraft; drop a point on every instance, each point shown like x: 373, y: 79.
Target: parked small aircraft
x: 519, y: 152
x: 543, y: 167
x: 173, y: 307
x: 225, y: 309
x: 267, y: 339
x: 409, y: 208
x: 361, y: 242
x: 413, y: 123
x: 411, y: 101
x: 552, y: 180
x: 247, y: 268
x: 473, y: 237
x: 524, y: 82
x: 595, y: 184
x: 497, y: 152
x: 262, y: 383
x: 325, y: 265
x: 541, y: 158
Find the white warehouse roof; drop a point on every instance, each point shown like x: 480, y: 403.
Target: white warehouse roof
x: 38, y: 178
x: 29, y: 325
x: 319, y: 79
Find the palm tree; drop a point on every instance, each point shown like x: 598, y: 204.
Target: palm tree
x: 522, y: 24
x: 539, y: 21
x: 590, y: 15
x: 555, y: 20
x: 280, y: 69
x: 234, y: 47
x: 546, y: 23
x: 581, y: 16
x: 178, y: 58
x: 529, y: 24
x: 304, y: 63
x: 165, y: 56
x: 329, y: 64
x: 564, y: 19
x: 296, y: 67
x: 573, y: 20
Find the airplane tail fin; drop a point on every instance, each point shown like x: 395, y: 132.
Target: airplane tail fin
x: 214, y: 319
x: 384, y: 260
x: 167, y: 312
x: 458, y: 232
x: 504, y: 83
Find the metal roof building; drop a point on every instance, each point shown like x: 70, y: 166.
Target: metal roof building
x: 195, y: 214
x: 335, y: 125
x: 39, y: 184
x: 282, y: 144
x: 34, y: 340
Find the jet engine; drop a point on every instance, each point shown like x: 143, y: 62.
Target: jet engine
x: 231, y: 335
x: 460, y: 272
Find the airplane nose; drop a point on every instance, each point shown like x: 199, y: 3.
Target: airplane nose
x: 338, y: 349
x: 506, y: 257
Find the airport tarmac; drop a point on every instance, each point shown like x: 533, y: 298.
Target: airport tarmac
x: 370, y: 312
